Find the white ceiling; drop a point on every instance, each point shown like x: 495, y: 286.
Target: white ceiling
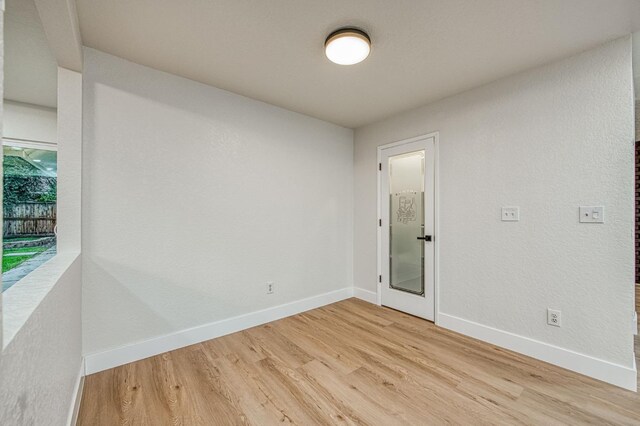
x: 423, y: 50
x: 30, y: 70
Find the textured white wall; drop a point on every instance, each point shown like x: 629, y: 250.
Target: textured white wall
x: 637, y: 120
x: 29, y: 122
x: 194, y: 198
x: 40, y: 365
x: 547, y: 140
x: 635, y: 40
x: 69, y: 160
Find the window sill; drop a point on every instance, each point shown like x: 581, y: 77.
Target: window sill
x: 24, y: 297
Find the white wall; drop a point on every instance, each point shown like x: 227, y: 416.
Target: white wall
x: 29, y: 122
x: 41, y: 360
x: 547, y: 140
x: 635, y: 40
x: 69, y: 208
x: 40, y: 364
x: 194, y: 198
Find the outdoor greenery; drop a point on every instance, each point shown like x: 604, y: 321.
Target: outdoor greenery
x: 10, y: 262
x: 13, y: 239
x: 23, y: 182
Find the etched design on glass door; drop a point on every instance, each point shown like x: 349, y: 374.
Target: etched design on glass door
x: 406, y: 209
x: 406, y: 205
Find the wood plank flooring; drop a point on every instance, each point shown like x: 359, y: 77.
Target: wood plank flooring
x: 349, y: 363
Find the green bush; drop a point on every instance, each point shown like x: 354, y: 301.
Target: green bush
x: 24, y: 182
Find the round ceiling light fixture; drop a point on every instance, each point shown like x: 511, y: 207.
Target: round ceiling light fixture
x: 347, y: 46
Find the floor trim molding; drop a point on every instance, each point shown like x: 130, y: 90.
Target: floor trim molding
x: 606, y: 371
x: 366, y: 295
x: 100, y: 361
x: 74, y: 409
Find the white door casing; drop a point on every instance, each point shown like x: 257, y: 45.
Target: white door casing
x: 405, y: 283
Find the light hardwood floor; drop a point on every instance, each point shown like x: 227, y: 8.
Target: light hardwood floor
x: 349, y: 363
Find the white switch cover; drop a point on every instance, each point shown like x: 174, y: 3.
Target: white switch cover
x: 510, y: 214
x: 591, y: 214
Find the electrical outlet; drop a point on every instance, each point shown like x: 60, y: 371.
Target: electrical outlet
x: 554, y: 317
x: 270, y: 287
x: 510, y: 214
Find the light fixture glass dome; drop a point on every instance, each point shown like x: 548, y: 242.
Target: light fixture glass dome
x: 347, y: 46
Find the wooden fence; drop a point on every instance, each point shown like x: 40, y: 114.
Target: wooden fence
x: 29, y: 219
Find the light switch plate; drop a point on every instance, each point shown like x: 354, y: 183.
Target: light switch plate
x: 510, y: 214
x: 591, y: 214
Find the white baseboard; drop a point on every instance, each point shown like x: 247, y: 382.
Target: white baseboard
x: 366, y: 295
x: 123, y: 355
x: 74, y: 409
x: 616, y: 374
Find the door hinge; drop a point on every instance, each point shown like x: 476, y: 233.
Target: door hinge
x: 380, y: 166
x: 379, y: 222
x: 379, y: 278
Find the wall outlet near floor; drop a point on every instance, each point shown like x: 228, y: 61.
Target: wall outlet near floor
x: 270, y: 287
x: 554, y: 317
x: 510, y: 214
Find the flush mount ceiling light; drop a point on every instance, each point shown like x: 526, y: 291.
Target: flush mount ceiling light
x: 347, y: 46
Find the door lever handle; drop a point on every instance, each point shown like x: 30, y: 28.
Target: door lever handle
x: 426, y: 238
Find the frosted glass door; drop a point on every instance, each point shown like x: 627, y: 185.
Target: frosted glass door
x: 406, y: 227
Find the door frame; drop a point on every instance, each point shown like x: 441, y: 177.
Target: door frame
x: 436, y: 217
